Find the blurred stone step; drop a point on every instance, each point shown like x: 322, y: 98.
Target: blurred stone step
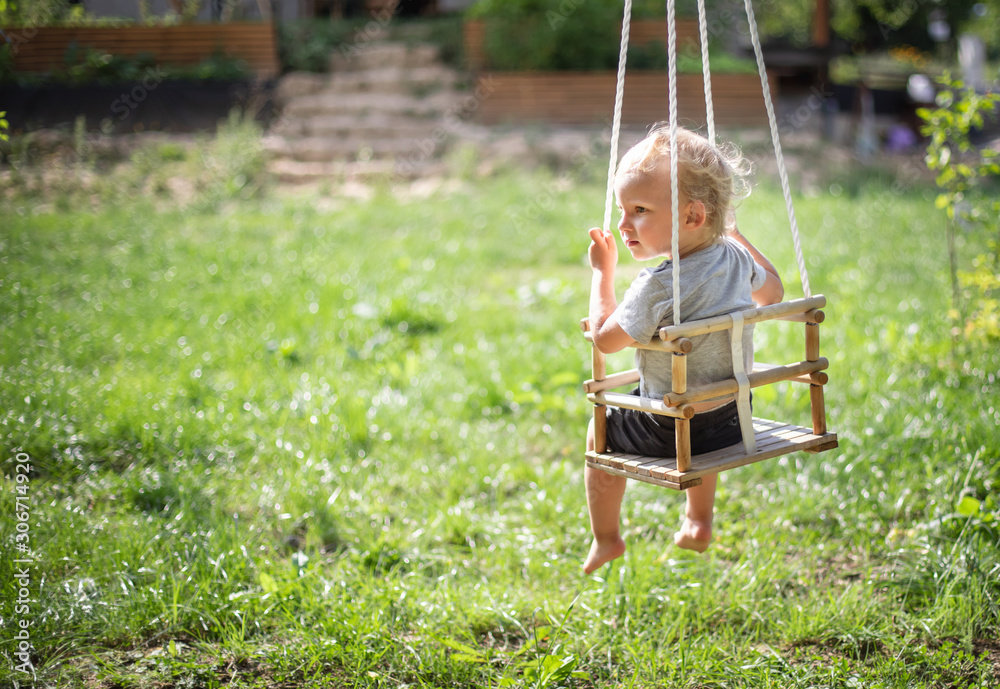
x: 297, y: 84
x: 325, y: 149
x: 376, y: 125
x: 363, y: 104
x: 358, y: 55
x: 297, y: 172
x: 415, y: 81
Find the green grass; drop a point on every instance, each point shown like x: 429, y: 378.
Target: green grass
x: 279, y: 446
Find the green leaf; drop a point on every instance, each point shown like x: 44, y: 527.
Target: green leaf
x: 941, y: 201
x: 465, y: 652
x: 268, y: 583
x: 466, y: 658
x: 968, y: 506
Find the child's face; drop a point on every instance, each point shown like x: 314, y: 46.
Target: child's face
x: 646, y: 222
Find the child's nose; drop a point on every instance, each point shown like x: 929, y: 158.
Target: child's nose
x: 623, y: 222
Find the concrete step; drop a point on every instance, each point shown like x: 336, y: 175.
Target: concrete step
x: 296, y: 172
x: 364, y: 104
x: 359, y: 55
x: 399, y: 80
x: 327, y: 149
x: 297, y: 84
x: 402, y: 80
x: 375, y: 125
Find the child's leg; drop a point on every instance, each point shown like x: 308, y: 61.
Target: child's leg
x: 604, y: 501
x: 696, y: 532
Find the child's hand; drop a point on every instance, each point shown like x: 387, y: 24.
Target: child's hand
x: 603, y: 250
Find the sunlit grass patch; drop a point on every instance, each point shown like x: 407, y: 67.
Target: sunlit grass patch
x: 341, y: 446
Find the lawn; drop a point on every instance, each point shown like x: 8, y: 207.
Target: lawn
x: 337, y: 443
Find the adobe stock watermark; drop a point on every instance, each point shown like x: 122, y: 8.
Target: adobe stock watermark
x: 562, y: 13
x: 453, y: 118
x: 23, y: 599
x: 904, y: 11
x: 547, y: 196
x: 123, y: 106
x: 16, y: 40
x: 817, y: 101
x: 371, y: 31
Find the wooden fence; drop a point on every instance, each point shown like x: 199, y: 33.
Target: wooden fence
x: 578, y: 98
x: 44, y: 49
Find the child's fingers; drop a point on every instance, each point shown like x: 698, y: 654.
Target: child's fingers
x: 596, y: 234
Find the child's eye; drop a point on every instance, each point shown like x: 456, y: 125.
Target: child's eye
x: 640, y: 209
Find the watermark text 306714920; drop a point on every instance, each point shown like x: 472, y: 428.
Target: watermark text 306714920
x: 22, y: 568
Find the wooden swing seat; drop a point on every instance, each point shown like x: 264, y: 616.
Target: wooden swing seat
x: 772, y: 438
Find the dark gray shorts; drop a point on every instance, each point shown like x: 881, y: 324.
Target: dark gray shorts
x: 652, y: 435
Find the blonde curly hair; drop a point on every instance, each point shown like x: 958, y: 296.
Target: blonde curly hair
x: 715, y: 176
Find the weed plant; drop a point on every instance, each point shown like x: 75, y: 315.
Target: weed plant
x: 327, y: 443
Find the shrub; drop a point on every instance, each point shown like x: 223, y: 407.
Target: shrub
x: 578, y: 35
x: 968, y: 180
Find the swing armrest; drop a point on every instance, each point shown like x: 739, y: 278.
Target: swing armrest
x: 814, y: 378
x: 615, y: 380
x: 797, y: 309
x: 681, y: 345
x: 764, y: 376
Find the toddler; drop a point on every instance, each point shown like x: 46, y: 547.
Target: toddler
x: 721, y: 272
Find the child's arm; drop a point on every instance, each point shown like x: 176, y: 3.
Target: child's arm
x: 608, y: 335
x: 773, y: 290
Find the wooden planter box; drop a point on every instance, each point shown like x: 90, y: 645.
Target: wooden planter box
x: 587, y: 98
x: 642, y: 32
x: 44, y: 49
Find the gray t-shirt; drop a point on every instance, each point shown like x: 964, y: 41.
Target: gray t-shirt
x: 714, y: 281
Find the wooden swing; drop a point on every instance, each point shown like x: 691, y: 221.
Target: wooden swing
x: 762, y: 439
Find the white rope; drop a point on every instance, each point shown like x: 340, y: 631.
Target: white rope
x: 743, y: 392
x: 616, y: 123
x: 777, y: 147
x: 675, y: 268
x: 706, y: 72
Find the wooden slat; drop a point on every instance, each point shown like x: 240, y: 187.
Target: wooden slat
x: 615, y: 380
x: 815, y: 378
x: 729, y: 386
x: 255, y: 43
x: 755, y: 315
x: 679, y: 346
x: 654, y: 406
x: 812, y: 316
x: 773, y: 440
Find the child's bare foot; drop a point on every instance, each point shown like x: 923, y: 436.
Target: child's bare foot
x: 602, y: 553
x: 694, y: 535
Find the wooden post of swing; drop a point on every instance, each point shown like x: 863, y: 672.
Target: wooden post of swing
x: 682, y: 427
x: 815, y: 391
x: 600, y: 410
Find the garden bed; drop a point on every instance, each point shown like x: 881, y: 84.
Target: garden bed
x: 147, y: 105
x: 642, y: 32
x: 581, y: 98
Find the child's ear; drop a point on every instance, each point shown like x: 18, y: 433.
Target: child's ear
x: 695, y: 215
